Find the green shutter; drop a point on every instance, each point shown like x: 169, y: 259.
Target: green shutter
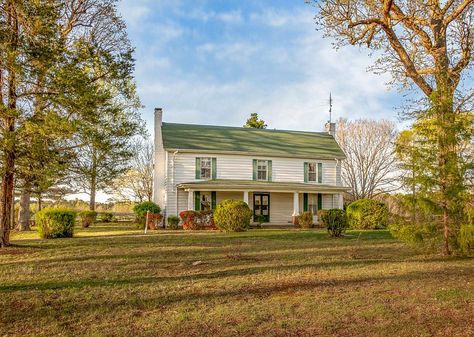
x: 198, y: 168
x: 320, y: 201
x: 254, y: 169
x: 306, y: 172
x: 320, y: 172
x: 197, y: 201
x: 214, y: 168
x: 269, y: 167
x: 213, y: 199
x: 305, y: 202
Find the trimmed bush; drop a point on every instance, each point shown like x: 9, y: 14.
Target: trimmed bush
x: 367, y: 214
x: 173, y: 222
x: 106, y: 217
x: 232, y: 215
x: 141, y: 209
x: 87, y: 218
x: 466, y: 240
x: 55, y: 223
x: 305, y: 220
x: 194, y: 220
x: 335, y: 221
x: 421, y: 237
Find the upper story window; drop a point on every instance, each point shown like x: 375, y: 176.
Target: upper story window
x: 206, y: 168
x: 313, y: 172
x: 262, y: 170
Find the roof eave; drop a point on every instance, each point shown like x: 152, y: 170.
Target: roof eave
x: 258, y: 154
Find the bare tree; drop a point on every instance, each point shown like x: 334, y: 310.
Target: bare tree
x: 137, y: 182
x: 369, y: 147
x: 424, y: 44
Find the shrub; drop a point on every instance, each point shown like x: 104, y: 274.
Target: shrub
x: 305, y: 220
x: 466, y: 240
x: 422, y: 237
x: 232, y: 215
x: 367, y: 214
x: 321, y: 215
x: 173, y: 222
x: 141, y: 209
x: 335, y: 221
x: 194, y: 220
x: 55, y: 223
x: 87, y: 218
x: 106, y: 217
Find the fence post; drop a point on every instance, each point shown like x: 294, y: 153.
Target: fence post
x: 146, y: 220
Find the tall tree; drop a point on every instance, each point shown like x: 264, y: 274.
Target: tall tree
x: 254, y: 122
x: 47, y: 49
x: 137, y: 182
x: 423, y: 43
x: 368, y: 145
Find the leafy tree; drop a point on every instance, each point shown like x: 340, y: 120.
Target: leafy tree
x: 427, y: 44
x: 47, y: 88
x: 254, y: 122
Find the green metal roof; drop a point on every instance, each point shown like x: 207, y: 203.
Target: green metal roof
x: 218, y: 184
x: 223, y: 139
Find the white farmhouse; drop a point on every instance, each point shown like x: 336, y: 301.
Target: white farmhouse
x: 278, y: 173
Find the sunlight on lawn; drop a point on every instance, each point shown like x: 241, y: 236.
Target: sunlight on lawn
x: 112, y: 280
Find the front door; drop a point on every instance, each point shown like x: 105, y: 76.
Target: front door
x: 261, y: 207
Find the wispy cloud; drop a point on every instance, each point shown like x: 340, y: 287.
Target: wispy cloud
x: 205, y: 64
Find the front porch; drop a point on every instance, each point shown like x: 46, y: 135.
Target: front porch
x: 274, y: 203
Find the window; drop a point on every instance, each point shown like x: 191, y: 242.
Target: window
x: 312, y: 172
x: 206, y: 168
x: 262, y: 169
x: 205, y: 203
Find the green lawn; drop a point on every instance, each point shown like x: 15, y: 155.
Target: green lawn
x: 112, y: 280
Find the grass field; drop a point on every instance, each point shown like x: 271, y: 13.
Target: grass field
x: 111, y: 280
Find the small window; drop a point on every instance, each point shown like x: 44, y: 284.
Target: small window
x: 205, y: 201
x: 312, y: 172
x: 262, y: 169
x: 206, y: 168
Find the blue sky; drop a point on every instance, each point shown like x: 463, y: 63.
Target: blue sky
x: 215, y: 62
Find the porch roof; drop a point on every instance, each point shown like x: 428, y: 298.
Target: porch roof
x: 263, y: 186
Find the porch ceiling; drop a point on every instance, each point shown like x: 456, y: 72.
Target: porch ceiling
x: 251, y: 185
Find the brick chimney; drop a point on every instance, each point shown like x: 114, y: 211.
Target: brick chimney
x: 331, y: 129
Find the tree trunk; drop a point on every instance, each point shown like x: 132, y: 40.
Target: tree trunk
x: 39, y: 202
x: 24, y: 213
x: 6, y: 195
x: 92, y: 198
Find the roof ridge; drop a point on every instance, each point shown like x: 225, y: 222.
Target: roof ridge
x: 248, y: 129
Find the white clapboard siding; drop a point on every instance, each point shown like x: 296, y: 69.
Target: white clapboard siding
x: 281, y: 208
x: 238, y: 167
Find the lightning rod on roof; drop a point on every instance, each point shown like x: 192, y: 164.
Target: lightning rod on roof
x: 330, y: 107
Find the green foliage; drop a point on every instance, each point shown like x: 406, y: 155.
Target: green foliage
x: 106, y: 217
x: 173, y: 222
x: 466, y: 240
x: 367, y: 214
x: 232, y: 215
x: 335, y: 221
x: 305, y: 219
x: 422, y: 237
x: 87, y: 218
x: 141, y: 209
x: 55, y: 223
x: 254, y: 122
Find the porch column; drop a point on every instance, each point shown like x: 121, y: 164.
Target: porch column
x: 190, y: 200
x: 246, y: 197
x: 296, y: 208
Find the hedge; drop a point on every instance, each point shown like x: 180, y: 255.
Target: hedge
x: 55, y: 223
